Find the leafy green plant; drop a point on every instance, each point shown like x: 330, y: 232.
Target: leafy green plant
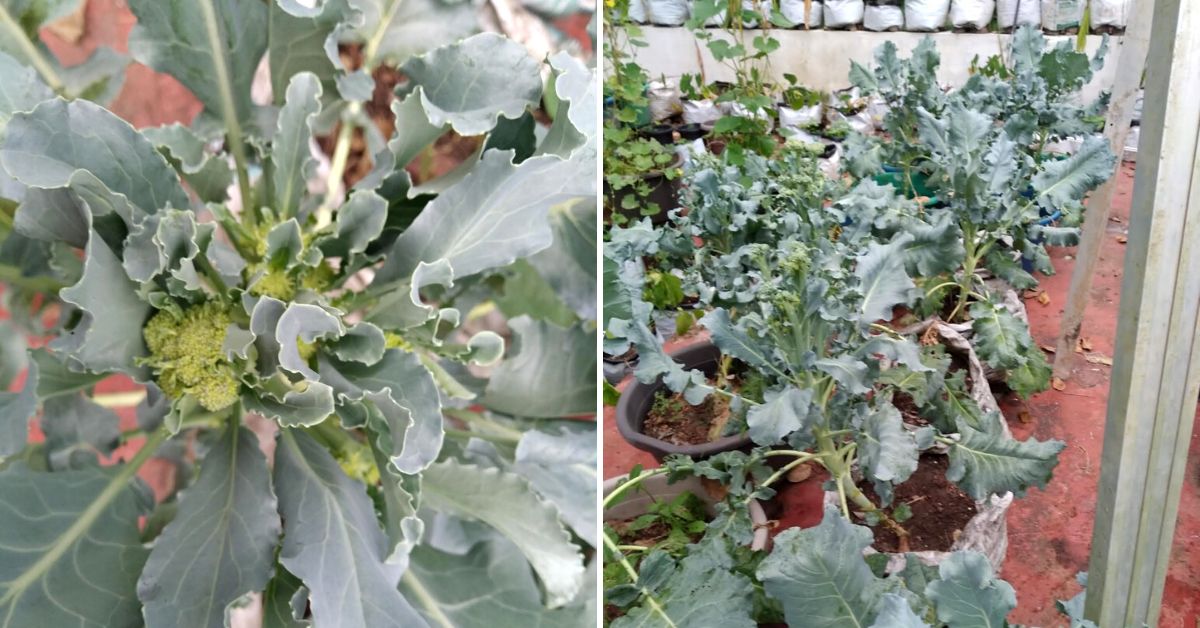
x: 747, y: 129
x: 981, y: 147
x: 347, y: 322
x: 811, y: 324
x: 810, y: 577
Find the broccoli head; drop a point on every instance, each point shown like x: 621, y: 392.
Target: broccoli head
x: 187, y: 358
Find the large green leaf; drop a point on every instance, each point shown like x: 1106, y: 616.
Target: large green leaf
x: 783, y: 413
x: 221, y: 544
x: 82, y: 146
x: 332, y: 541
x: 934, y: 248
x: 1062, y: 182
x: 700, y: 591
x: 988, y: 462
x: 494, y: 216
x: 23, y: 90
x: 569, y: 265
x: 883, y: 282
x: 561, y: 466
x: 411, y: 27
x: 209, y: 176
x: 894, y: 612
x: 1003, y: 342
x: 886, y: 451
x: 70, y: 553
x: 550, y: 371
x: 488, y: 586
x: 176, y: 37
x: 292, y: 158
x: 302, y: 38
x: 403, y: 377
x: 968, y: 594
x: 819, y: 576
x: 505, y: 502
x: 459, y: 86
x: 734, y: 341
x: 109, y: 335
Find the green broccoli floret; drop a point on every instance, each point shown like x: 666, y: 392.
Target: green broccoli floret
x: 276, y: 284
x: 187, y: 358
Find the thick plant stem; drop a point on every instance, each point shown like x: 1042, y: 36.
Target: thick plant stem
x: 426, y: 600
x: 233, y: 127
x: 612, y: 497
x: 466, y: 416
x: 87, y: 518
x: 971, y: 260
x: 36, y: 59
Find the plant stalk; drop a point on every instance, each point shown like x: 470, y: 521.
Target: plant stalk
x: 36, y: 59
x: 237, y: 146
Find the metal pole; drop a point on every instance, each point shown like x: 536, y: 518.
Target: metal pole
x: 1156, y: 376
x: 1131, y: 60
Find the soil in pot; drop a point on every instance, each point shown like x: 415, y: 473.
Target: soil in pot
x: 672, y: 419
x: 940, y: 510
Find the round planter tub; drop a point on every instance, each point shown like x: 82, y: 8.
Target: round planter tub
x: 637, y: 502
x: 636, y: 401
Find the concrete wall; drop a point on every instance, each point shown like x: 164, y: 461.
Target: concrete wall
x: 821, y: 59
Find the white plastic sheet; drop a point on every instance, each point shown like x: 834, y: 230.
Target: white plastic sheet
x: 843, y: 13
x: 882, y: 18
x: 1111, y: 12
x: 972, y: 13
x: 793, y: 10
x: 665, y: 99
x: 1060, y: 15
x: 925, y: 15
x: 668, y: 12
x: 1010, y: 13
x: 702, y: 112
x: 802, y: 118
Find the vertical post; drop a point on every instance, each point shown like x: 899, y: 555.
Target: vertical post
x: 1131, y: 60
x: 1152, y: 401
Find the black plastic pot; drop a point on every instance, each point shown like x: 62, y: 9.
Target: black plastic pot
x: 638, y: 398
x: 661, y: 133
x: 664, y: 192
x: 691, y: 132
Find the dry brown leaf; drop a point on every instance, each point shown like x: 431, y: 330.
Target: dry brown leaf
x: 1122, y: 239
x: 1043, y: 298
x: 930, y: 337
x: 1049, y: 349
x: 1057, y: 384
x: 1099, y: 358
x: 1086, y: 343
x: 1025, y: 417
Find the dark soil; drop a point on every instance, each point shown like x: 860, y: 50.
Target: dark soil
x: 646, y: 537
x: 674, y: 420
x: 940, y: 509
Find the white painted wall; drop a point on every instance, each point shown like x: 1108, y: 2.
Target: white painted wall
x: 821, y: 59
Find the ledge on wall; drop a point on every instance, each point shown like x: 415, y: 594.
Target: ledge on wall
x: 821, y: 58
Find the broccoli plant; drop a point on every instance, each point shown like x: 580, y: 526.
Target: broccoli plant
x: 417, y: 472
x: 814, y: 327
x: 810, y: 577
x: 981, y: 147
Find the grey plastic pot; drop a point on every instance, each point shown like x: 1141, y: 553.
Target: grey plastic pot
x: 656, y: 488
x: 636, y: 401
